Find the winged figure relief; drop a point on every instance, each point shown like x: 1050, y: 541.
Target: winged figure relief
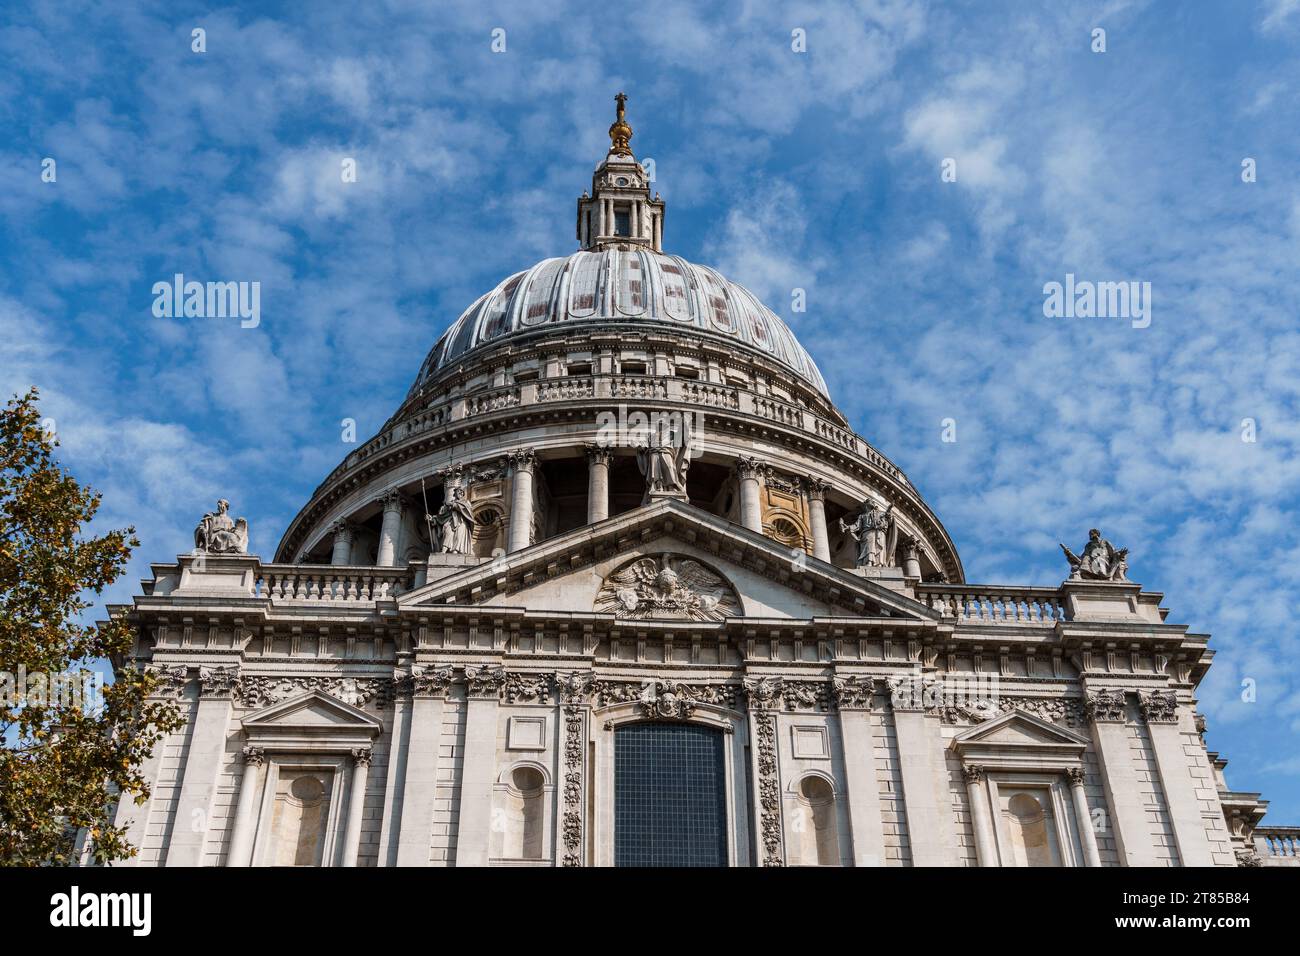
x: 667, y: 587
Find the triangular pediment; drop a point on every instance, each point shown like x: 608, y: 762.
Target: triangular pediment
x: 736, y: 573
x: 1020, y: 728
x: 312, y: 712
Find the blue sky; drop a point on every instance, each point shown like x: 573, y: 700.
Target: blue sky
x: 818, y: 170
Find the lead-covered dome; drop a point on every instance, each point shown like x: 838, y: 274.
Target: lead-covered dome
x: 611, y: 288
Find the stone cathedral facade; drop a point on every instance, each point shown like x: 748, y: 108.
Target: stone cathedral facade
x: 617, y: 584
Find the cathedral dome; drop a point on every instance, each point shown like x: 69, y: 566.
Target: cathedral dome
x: 613, y: 288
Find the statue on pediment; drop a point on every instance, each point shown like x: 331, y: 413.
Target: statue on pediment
x: 876, y: 532
x: 218, y: 533
x: 454, y: 523
x: 1100, y: 560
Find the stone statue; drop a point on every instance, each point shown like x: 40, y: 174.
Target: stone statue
x: 876, y: 532
x: 1100, y: 561
x: 664, y: 461
x: 218, y: 534
x: 453, y: 524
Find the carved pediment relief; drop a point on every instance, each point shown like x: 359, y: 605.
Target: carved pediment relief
x: 667, y: 587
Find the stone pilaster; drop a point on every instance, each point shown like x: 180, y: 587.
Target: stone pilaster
x: 240, y: 850
x: 478, y: 769
x: 853, y: 700
x: 192, y: 817
x: 1107, y: 713
x: 931, y: 829
x: 428, y: 690
x: 1168, y: 726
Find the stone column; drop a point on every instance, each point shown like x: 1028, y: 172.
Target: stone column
x: 192, y: 816
x: 1107, y: 712
x: 751, y: 511
x: 240, y: 850
x: 391, y: 529
x: 911, y: 557
x: 816, y: 491
x: 356, y: 805
x: 128, y: 814
x: 521, y: 502
x: 931, y: 829
x: 598, y: 483
x: 474, y: 829
x: 853, y: 699
x: 419, y: 788
x: 986, y: 851
x: 763, y: 697
x: 1082, y: 818
x: 1161, y: 712
x: 343, y: 535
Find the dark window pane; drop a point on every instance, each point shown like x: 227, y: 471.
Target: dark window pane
x: 622, y: 224
x: 669, y: 796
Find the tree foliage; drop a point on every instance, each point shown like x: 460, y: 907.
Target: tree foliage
x: 66, y: 756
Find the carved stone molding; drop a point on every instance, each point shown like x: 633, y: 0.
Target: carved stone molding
x: 218, y: 681
x: 1106, y: 705
x: 769, y: 786
x: 1159, y: 707
x: 259, y: 691
x: 667, y: 587
x: 254, y: 756
x: 528, y: 688
x: 572, y: 687
x: 853, y: 693
x: 662, y: 699
x: 806, y: 695
x: 1066, y: 710
x: 763, y: 693
x: 485, y: 681
x: 572, y: 824
x: 1248, y: 858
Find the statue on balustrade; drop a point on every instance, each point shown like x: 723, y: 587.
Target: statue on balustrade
x: 664, y: 460
x: 454, y: 523
x: 218, y: 533
x: 1100, y: 561
x: 876, y: 532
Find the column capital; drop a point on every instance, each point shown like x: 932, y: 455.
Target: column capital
x: 815, y: 488
x: 750, y: 468
x: 763, y: 693
x: 392, y: 500
x: 853, y: 693
x: 218, y: 681
x: 361, y: 756
x: 254, y: 756
x: 1159, y: 707
x: 1107, y: 705
x: 973, y: 773
x: 429, y: 682
x: 1076, y: 776
x: 599, y: 454
x: 485, y: 681
x: 343, y: 528
x: 524, y: 460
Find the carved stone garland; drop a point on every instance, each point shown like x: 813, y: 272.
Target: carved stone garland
x: 572, y: 689
x: 764, y: 695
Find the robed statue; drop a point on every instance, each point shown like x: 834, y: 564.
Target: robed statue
x: 663, y: 461
x: 217, y: 533
x: 876, y: 532
x: 454, y: 524
x: 1100, y: 561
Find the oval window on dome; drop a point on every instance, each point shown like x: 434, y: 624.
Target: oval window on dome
x: 536, y: 307
x: 497, y: 319
x: 677, y: 304
x: 584, y: 284
x: 629, y: 283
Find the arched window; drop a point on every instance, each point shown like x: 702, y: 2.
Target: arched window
x: 669, y: 796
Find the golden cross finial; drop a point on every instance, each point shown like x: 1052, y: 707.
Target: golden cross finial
x: 620, y: 133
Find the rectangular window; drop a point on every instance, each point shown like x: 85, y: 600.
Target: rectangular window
x: 622, y: 223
